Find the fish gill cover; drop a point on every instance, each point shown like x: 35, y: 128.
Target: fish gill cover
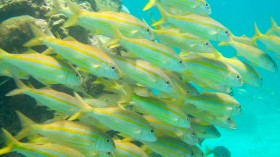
x: 87, y: 78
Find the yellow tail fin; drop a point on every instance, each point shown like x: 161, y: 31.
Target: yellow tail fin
x: 26, y: 124
x: 39, y: 36
x: 149, y: 5
x: 21, y: 88
x: 74, y: 19
x: 10, y: 142
x: 164, y: 15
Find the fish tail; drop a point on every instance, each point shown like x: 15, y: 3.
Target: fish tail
x: 115, y: 42
x: 274, y: 24
x: 39, y: 36
x: 164, y: 14
x: 26, y: 124
x: 257, y: 36
x: 10, y: 142
x: 84, y: 107
x: 3, y: 54
x: 207, y: 151
x: 21, y: 88
x: 149, y: 5
x: 56, y: 8
x: 75, y: 9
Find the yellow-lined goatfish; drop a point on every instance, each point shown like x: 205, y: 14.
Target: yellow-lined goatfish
x: 101, y: 22
x: 205, y: 131
x: 182, y: 7
x: 162, y: 128
x: 44, y: 68
x: 170, y: 146
x: 272, y: 42
x: 204, y: 27
x: 128, y: 149
x: 86, y: 57
x: 254, y: 55
x: 9, y: 70
x: 153, y: 52
x: 165, y: 112
x: 73, y: 134
x: 209, y: 69
x: 207, y: 118
x: 185, y: 41
x: 249, y: 74
x: 35, y: 150
x: 115, y: 118
x: 58, y: 101
x: 144, y: 73
x: 215, y: 103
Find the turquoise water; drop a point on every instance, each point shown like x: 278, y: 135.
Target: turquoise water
x: 257, y: 133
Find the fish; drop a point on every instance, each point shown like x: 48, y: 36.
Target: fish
x: 186, y: 134
x: 163, y: 111
x: 152, y: 52
x: 205, y: 131
x: 216, y: 103
x: 127, y: 122
x: 271, y: 42
x: 172, y: 37
x: 86, y: 57
x: 182, y: 7
x: 35, y: 150
x: 55, y: 71
x: 218, y: 151
x: 9, y: 70
x: 208, y: 69
x: 207, y: 118
x: 58, y: 101
x: 170, y: 146
x: 144, y: 73
x: 73, y: 134
x: 202, y: 26
x: 254, y: 55
x: 100, y: 22
x: 248, y: 73
x: 128, y: 149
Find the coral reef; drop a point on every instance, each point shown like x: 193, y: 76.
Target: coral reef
x: 105, y: 5
x: 15, y: 31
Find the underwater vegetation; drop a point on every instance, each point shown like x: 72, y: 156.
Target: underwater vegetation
x: 86, y: 78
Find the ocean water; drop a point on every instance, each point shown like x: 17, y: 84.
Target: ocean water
x: 257, y: 133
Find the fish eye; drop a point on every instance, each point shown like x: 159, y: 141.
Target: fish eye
x: 180, y: 61
x: 229, y: 119
x: 148, y: 30
x: 152, y: 131
x: 238, y: 76
x: 113, y: 67
x: 109, y: 153
x: 226, y: 32
x: 206, y: 5
x: 167, y: 82
x: 77, y: 74
x: 107, y: 140
x: 193, y: 133
x: 207, y: 44
x: 188, y: 92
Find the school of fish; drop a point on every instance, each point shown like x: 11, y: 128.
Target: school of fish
x: 156, y: 100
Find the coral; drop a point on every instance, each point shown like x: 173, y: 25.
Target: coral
x: 105, y: 5
x: 12, y: 8
x: 15, y: 32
